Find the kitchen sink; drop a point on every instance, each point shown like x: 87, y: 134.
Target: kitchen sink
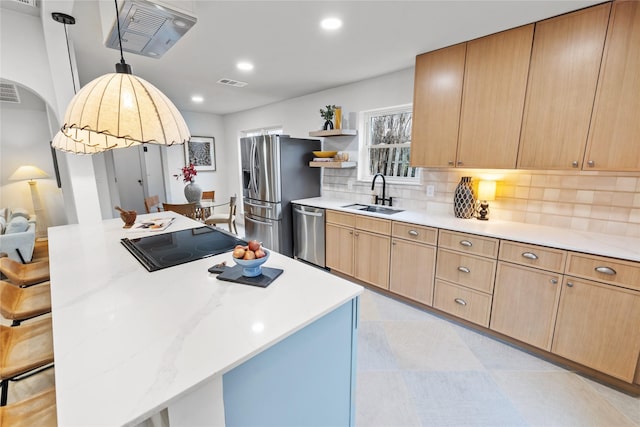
x: 373, y: 208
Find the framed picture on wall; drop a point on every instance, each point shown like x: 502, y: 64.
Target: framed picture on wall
x: 201, y: 151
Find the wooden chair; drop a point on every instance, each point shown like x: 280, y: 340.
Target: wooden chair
x: 37, y: 410
x: 19, y: 304
x: 209, y: 195
x: 186, y: 209
x: 152, y: 202
x: 26, y: 350
x: 24, y: 274
x: 228, y: 218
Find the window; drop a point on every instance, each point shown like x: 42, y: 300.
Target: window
x: 386, y: 144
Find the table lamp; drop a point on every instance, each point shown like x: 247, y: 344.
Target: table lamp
x: 486, y: 192
x: 31, y: 173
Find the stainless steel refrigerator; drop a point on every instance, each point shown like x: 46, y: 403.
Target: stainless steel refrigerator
x: 275, y: 171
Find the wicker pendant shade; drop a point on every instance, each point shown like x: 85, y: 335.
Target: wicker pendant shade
x: 119, y: 110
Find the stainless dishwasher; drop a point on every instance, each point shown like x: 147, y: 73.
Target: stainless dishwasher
x: 308, y: 234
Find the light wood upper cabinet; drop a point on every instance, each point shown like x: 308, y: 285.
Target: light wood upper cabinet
x: 565, y: 61
x: 614, y: 137
x: 495, y: 81
x: 437, y: 96
x: 597, y: 326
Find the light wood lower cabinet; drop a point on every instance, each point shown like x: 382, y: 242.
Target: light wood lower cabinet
x: 339, y: 248
x: 371, y: 258
x: 412, y: 269
x: 358, y: 246
x: 525, y: 304
x: 463, y: 302
x: 598, y: 325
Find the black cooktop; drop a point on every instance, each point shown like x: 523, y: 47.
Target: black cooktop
x: 168, y: 249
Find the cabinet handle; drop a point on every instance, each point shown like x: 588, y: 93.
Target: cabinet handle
x: 393, y: 242
x: 464, y: 269
x: 529, y: 255
x: 357, y: 234
x: 570, y: 284
x: 606, y: 270
x: 413, y: 233
x: 574, y: 163
x: 466, y: 243
x: 591, y: 163
x: 460, y: 301
x: 460, y: 163
x: 553, y: 281
x: 351, y: 232
x: 450, y: 162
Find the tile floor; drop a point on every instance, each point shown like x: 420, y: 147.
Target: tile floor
x: 417, y: 369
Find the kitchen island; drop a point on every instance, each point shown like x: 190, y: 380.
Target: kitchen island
x: 129, y: 343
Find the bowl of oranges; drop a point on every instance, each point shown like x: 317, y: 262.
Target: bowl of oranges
x: 250, y: 257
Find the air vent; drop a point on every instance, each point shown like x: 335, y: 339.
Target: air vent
x: 149, y: 29
x: 231, y: 82
x: 9, y: 93
x: 32, y: 3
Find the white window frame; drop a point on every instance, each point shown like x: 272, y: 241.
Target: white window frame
x: 363, y: 152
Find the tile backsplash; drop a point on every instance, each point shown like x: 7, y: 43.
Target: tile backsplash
x: 602, y: 202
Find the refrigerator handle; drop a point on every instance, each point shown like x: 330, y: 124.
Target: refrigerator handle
x: 270, y: 224
x: 252, y: 165
x: 308, y: 213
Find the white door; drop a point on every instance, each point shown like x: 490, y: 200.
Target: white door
x: 129, y: 172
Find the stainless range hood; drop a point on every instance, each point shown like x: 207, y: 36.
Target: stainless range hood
x: 149, y: 28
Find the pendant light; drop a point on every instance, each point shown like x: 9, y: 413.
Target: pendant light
x: 118, y: 110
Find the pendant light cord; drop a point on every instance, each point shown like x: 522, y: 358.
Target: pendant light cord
x: 73, y: 79
x: 119, y: 36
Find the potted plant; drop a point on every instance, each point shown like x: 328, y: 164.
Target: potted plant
x: 327, y: 115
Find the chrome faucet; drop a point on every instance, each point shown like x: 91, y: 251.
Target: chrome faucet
x: 382, y: 199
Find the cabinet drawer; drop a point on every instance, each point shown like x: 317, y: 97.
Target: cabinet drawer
x: 468, y: 270
x: 603, y: 269
x: 341, y: 218
x: 462, y: 302
x: 533, y: 256
x: 415, y: 233
x: 469, y: 243
x: 374, y: 225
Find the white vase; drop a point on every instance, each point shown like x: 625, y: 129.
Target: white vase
x: 192, y: 192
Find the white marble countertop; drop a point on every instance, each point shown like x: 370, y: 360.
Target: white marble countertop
x: 128, y: 343
x: 622, y: 247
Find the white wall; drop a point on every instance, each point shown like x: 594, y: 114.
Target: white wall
x: 300, y: 115
x: 200, y: 125
x: 25, y: 141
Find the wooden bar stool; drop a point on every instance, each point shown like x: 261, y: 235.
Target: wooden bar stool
x: 38, y: 410
x: 18, y: 304
x: 26, y: 350
x: 24, y: 274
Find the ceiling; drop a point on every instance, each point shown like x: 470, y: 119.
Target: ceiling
x: 291, y: 54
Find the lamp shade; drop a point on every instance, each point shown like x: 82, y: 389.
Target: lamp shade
x: 28, y: 172
x: 486, y: 190
x: 119, y: 110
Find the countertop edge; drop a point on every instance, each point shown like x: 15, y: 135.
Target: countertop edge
x: 599, y: 244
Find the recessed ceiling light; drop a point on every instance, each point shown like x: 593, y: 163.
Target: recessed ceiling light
x: 331, y: 23
x: 244, y: 66
x: 197, y: 98
x: 180, y: 24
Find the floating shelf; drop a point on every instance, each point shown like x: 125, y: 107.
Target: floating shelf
x: 334, y: 132
x: 334, y: 165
